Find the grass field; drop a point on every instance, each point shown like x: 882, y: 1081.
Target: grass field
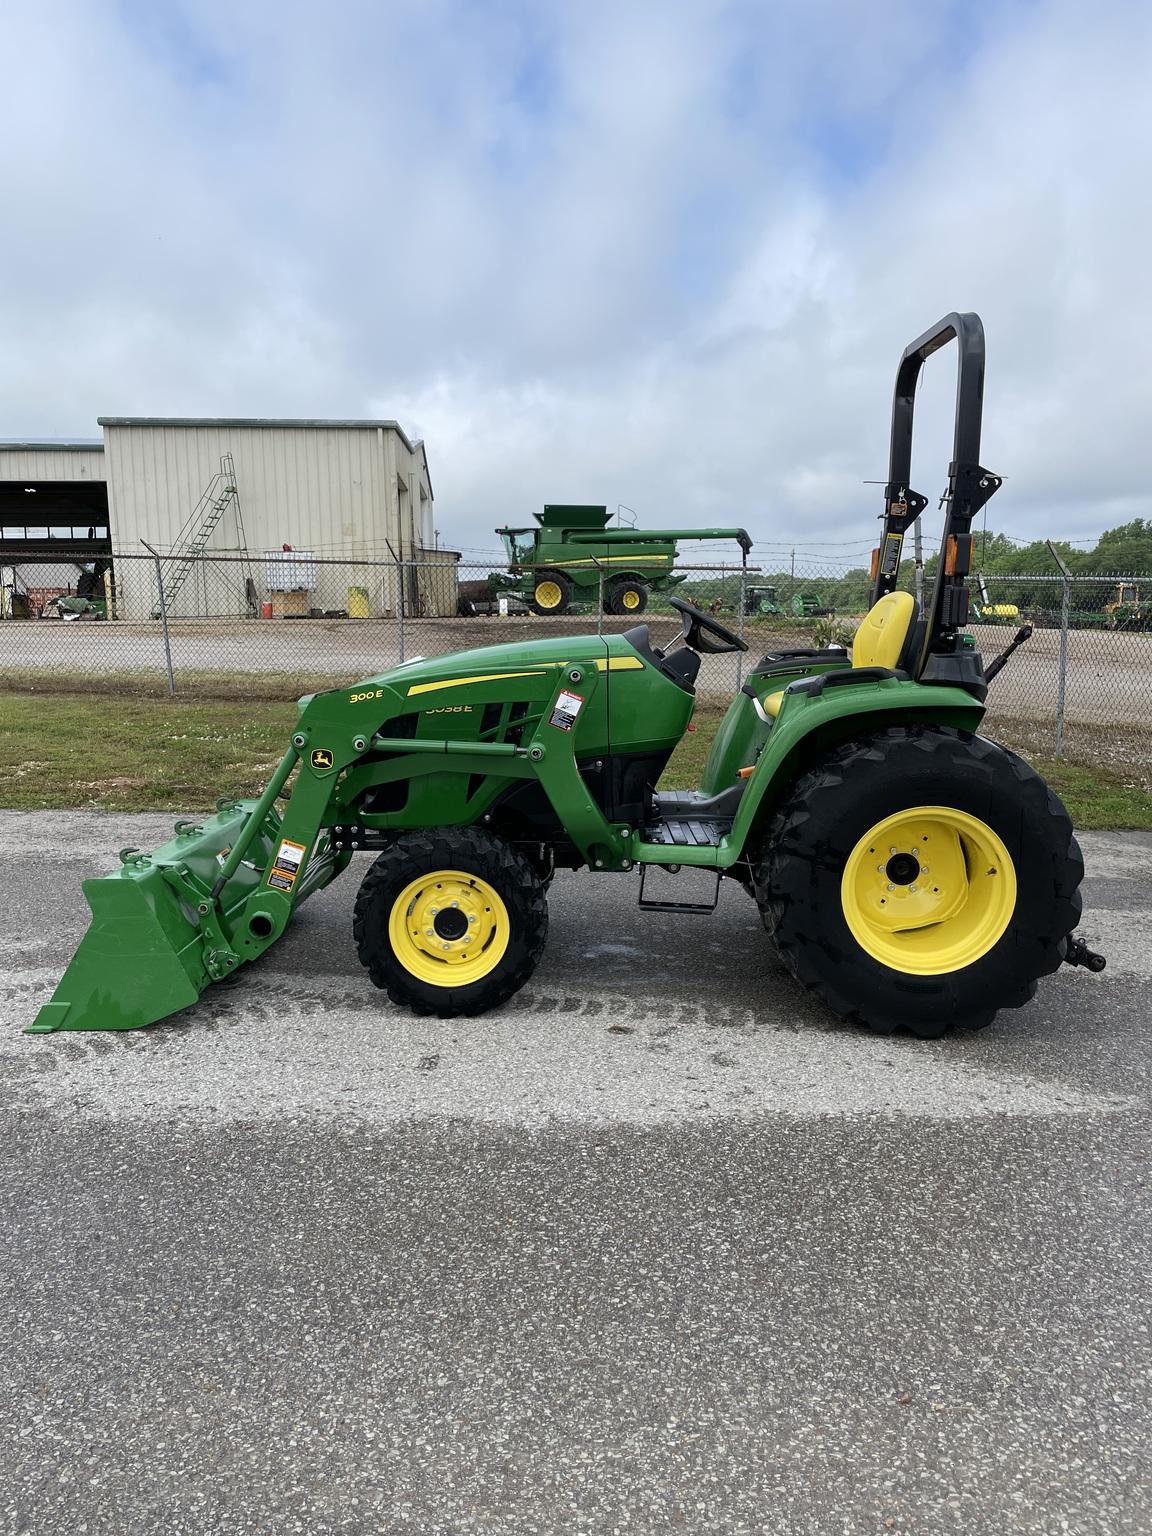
x: 137, y: 754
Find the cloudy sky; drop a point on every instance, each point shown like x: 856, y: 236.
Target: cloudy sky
x: 665, y: 254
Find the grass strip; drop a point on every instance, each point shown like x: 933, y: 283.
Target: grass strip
x: 95, y: 752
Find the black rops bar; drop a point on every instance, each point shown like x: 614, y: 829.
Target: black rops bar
x: 969, y: 487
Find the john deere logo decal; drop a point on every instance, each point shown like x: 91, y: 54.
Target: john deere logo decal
x: 321, y: 759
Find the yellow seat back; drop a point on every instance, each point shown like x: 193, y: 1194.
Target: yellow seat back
x: 881, y: 636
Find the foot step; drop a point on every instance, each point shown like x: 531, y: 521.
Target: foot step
x: 682, y: 833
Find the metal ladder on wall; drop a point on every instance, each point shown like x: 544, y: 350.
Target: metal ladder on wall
x: 191, y: 542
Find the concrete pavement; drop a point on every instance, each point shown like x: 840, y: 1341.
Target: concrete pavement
x: 660, y: 1247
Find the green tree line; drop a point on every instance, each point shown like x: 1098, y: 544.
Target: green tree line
x: 1125, y: 551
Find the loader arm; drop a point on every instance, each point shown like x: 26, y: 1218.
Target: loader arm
x: 217, y: 896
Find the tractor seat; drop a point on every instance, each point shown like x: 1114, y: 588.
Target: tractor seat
x: 888, y: 637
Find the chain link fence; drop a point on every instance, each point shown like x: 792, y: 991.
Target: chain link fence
x: 275, y: 627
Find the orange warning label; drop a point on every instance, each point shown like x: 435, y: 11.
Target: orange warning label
x: 286, y: 865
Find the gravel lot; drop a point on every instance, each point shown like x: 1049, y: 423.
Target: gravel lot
x: 660, y: 1247
x: 1109, y: 674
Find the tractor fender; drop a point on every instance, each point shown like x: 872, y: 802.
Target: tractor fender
x: 809, y: 727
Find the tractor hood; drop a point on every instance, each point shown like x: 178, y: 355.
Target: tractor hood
x: 492, y: 660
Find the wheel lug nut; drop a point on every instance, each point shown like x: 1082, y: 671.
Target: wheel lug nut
x: 445, y: 946
x: 891, y: 887
x: 472, y: 917
x: 455, y: 903
x: 880, y: 869
x: 891, y: 850
x: 433, y: 910
x: 428, y: 931
x: 911, y: 887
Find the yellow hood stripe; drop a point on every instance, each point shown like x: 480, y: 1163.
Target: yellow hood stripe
x: 460, y: 682
x: 609, y: 664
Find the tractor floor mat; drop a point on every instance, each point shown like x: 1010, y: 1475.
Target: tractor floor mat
x: 684, y: 833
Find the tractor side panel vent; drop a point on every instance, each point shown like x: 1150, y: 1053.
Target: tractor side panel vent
x: 517, y: 719
x: 403, y: 727
x: 382, y: 798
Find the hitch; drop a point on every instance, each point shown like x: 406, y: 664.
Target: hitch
x: 1078, y: 953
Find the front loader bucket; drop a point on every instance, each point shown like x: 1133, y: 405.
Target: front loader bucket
x: 138, y: 962
x: 160, y: 927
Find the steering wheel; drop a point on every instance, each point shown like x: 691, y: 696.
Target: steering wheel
x: 701, y: 631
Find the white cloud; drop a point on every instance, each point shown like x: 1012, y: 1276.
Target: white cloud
x: 665, y: 255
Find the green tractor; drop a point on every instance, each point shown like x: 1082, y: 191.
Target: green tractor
x: 563, y: 561
x: 911, y: 872
x: 760, y: 602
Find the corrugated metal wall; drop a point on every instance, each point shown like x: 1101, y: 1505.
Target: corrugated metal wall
x: 335, y: 489
x: 46, y: 463
x: 324, y: 489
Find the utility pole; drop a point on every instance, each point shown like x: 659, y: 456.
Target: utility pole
x: 918, y: 548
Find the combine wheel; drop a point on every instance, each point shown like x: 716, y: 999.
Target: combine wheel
x: 921, y: 879
x: 551, y: 594
x: 450, y: 921
x: 627, y: 596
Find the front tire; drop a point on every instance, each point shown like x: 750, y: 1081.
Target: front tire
x: 450, y: 922
x: 921, y: 879
x: 551, y: 594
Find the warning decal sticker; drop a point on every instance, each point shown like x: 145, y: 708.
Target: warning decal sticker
x: 893, y: 544
x: 286, y: 865
x: 567, y: 710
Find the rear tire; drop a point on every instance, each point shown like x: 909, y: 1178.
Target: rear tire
x: 973, y: 929
x: 451, y: 921
x: 551, y: 593
x: 627, y: 596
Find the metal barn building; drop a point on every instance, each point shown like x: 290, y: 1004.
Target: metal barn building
x: 236, y: 490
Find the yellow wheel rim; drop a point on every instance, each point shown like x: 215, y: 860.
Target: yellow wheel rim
x: 928, y: 890
x: 548, y: 594
x: 631, y: 598
x: 448, y: 928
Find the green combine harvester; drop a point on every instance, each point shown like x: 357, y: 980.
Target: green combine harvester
x: 563, y: 561
x: 910, y: 871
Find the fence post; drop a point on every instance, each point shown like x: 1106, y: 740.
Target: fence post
x: 600, y: 598
x: 399, y: 567
x: 163, y: 617
x: 1062, y: 675
x: 1062, y: 680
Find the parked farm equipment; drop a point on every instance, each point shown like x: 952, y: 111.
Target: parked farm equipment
x: 572, y: 552
x: 909, y: 870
